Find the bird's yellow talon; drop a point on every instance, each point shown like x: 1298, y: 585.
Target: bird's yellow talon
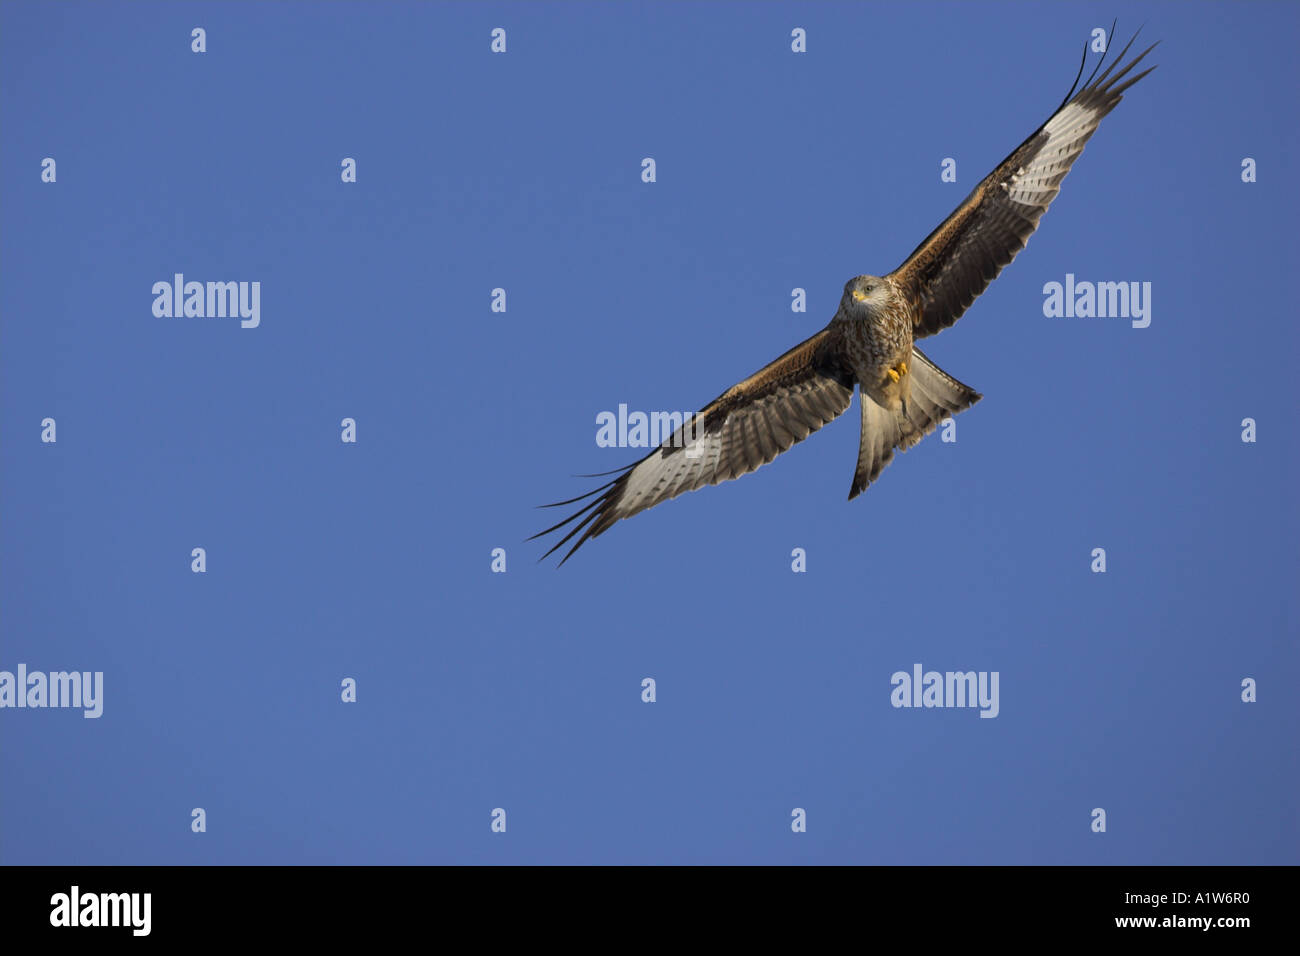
x: 902, y: 367
x: 893, y: 375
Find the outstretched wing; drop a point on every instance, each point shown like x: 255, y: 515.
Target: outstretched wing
x: 959, y: 259
x: 742, y: 429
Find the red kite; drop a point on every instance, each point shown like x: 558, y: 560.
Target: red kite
x: 870, y: 341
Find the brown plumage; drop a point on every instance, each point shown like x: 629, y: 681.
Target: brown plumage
x: 870, y: 340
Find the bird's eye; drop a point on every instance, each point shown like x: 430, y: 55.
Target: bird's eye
x: 867, y: 289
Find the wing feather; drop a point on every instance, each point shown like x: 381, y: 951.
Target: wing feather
x: 956, y: 262
x: 741, y: 430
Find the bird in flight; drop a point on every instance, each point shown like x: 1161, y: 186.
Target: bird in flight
x: 870, y: 342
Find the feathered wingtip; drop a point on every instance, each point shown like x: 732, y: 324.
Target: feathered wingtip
x: 1100, y: 84
x: 593, y: 510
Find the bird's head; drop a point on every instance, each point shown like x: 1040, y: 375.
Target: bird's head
x: 864, y: 297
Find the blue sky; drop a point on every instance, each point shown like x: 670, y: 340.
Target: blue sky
x: 522, y: 690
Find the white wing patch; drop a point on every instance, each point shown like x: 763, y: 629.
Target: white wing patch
x: 658, y: 478
x: 1038, y: 182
